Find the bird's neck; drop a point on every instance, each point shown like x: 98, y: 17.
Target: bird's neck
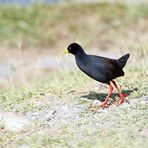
x: 80, y: 54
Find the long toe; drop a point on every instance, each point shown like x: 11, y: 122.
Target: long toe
x: 120, y: 102
x: 125, y: 95
x: 104, y: 105
x: 122, y: 99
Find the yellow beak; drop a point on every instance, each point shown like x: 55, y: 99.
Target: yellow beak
x: 66, y: 51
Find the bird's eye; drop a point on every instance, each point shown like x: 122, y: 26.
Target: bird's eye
x: 70, y: 48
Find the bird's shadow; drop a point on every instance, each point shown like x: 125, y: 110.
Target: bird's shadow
x: 101, y: 96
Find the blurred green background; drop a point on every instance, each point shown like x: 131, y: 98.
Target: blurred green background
x: 98, y: 25
x: 32, y: 31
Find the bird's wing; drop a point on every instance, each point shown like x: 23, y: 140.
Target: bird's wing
x: 114, y: 69
x: 109, y: 67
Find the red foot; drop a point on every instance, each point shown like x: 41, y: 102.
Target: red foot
x: 125, y: 95
x: 108, y: 96
x: 121, y: 99
x: 104, y: 105
x: 122, y: 96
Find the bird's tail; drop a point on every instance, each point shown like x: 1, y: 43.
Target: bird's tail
x: 123, y: 60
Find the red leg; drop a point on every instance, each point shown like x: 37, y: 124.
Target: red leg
x: 122, y: 96
x: 108, y: 96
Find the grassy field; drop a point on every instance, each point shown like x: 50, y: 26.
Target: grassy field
x: 59, y: 109
x: 56, y: 109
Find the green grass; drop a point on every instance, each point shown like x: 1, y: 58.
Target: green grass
x: 47, y: 25
x: 89, y: 131
x: 60, y: 84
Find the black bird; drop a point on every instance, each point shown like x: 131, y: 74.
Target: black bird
x: 101, y: 69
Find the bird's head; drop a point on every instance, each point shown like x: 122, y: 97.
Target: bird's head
x: 74, y: 48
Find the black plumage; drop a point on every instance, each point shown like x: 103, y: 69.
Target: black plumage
x: 101, y: 69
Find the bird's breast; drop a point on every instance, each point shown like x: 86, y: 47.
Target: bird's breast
x: 92, y: 70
